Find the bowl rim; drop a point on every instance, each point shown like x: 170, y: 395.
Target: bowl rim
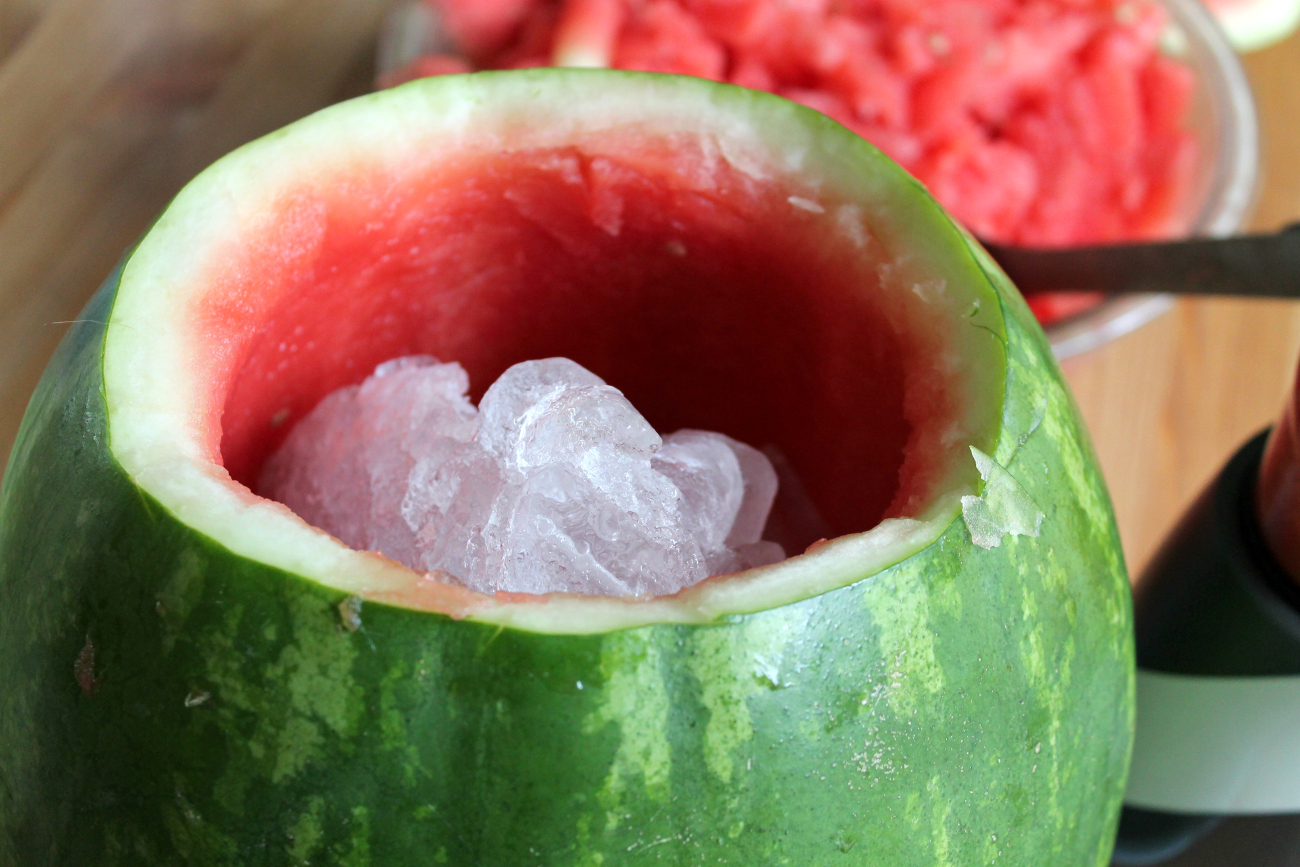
x: 410, y: 29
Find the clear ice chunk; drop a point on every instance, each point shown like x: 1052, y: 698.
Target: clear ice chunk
x: 760, y: 491
x: 555, y: 483
x: 519, y: 390
x: 347, y: 463
x: 584, y: 499
x: 704, y: 468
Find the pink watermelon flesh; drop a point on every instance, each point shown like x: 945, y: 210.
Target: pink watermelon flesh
x: 1039, y: 122
x: 664, y: 270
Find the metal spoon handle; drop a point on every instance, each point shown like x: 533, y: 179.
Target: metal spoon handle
x: 1261, y: 266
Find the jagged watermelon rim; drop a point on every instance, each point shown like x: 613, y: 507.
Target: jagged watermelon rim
x: 199, y: 493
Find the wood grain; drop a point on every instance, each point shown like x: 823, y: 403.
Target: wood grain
x: 92, y: 182
x: 55, y: 75
x: 17, y: 17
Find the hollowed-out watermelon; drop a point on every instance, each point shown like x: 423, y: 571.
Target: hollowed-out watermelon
x: 192, y: 675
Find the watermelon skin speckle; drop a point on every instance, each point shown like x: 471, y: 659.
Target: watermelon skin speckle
x: 960, y: 706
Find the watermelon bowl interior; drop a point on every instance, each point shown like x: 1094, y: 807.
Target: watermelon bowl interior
x: 201, y: 677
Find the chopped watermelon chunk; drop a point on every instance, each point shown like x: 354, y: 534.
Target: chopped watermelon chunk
x: 663, y: 37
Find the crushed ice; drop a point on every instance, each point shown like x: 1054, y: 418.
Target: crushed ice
x: 554, y: 483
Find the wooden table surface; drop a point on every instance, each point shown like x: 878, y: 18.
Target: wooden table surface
x: 108, y: 106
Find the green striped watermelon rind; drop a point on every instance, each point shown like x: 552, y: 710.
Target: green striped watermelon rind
x: 169, y: 701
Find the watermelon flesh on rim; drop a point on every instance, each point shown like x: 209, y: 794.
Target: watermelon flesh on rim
x: 612, y: 262
x: 627, y: 257
x: 1037, y: 123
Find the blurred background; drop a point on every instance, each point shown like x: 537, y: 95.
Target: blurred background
x: 107, y: 107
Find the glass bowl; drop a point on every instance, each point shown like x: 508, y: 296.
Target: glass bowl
x: 1223, y: 120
